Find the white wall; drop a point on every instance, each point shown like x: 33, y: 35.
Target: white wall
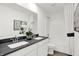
x: 69, y: 16
x: 69, y: 24
x: 42, y: 22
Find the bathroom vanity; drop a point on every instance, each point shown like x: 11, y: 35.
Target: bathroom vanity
x: 34, y: 47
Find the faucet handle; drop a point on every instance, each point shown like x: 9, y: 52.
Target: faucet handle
x: 12, y: 39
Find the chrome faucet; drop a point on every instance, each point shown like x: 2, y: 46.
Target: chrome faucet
x: 14, y: 40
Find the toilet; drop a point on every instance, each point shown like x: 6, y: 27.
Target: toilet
x: 51, y: 48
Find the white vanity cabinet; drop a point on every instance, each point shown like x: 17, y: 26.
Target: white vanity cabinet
x: 42, y: 48
x: 37, y: 49
x: 32, y: 53
x: 25, y: 51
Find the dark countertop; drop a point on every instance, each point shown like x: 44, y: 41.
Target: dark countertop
x: 4, y: 49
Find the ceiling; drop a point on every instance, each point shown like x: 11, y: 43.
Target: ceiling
x: 51, y: 7
x: 16, y: 7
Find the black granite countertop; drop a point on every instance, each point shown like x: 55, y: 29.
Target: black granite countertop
x: 4, y: 49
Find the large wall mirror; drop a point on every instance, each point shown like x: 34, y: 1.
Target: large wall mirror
x: 17, y: 16
x: 76, y: 19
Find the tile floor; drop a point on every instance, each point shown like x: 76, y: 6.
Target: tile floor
x: 58, y: 54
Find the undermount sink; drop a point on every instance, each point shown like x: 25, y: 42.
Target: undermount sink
x: 14, y: 45
x: 38, y: 38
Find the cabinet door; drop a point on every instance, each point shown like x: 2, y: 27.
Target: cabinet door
x: 32, y: 53
x: 42, y: 49
x: 24, y: 51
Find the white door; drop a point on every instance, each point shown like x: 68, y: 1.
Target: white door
x: 58, y: 37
